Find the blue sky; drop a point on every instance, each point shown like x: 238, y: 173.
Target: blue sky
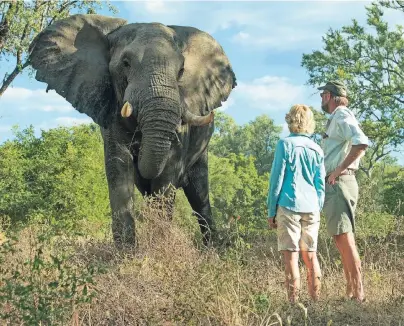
x: 264, y: 41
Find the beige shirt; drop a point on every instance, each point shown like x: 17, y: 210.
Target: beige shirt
x: 342, y: 132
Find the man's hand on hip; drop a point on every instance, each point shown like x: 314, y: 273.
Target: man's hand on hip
x: 334, y: 175
x: 354, y: 154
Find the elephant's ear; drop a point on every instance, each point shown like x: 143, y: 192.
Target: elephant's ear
x: 208, y: 77
x: 72, y: 57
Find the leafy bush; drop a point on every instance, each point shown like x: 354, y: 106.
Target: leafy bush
x: 59, y: 175
x: 38, y: 287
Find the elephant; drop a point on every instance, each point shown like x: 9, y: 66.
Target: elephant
x: 152, y: 89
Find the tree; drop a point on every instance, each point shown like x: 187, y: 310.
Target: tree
x: 57, y: 176
x: 256, y: 139
x: 262, y: 135
x: 21, y: 21
x: 224, y: 140
x: 371, y: 63
x: 236, y: 190
x: 321, y: 121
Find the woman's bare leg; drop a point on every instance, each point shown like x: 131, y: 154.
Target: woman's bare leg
x: 292, y: 275
x: 313, y: 273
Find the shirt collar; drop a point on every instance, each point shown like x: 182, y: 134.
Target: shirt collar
x: 292, y: 134
x: 336, y: 109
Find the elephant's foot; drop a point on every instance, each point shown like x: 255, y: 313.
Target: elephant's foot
x: 210, y: 237
x: 125, y: 242
x: 215, y: 239
x: 123, y: 232
x: 207, y: 239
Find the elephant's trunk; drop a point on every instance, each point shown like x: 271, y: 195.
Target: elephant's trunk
x: 153, y: 155
x: 158, y: 119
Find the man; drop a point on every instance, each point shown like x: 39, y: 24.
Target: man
x: 344, y: 143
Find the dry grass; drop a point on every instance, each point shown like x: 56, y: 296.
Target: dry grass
x: 169, y: 280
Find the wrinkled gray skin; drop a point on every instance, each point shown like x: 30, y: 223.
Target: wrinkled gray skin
x: 171, y: 76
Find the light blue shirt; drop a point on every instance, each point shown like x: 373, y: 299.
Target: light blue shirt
x: 297, y: 179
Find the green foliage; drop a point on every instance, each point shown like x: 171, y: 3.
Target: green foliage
x: 321, y: 121
x: 370, y: 61
x: 239, y: 163
x: 393, y: 198
x: 59, y: 175
x: 261, y: 303
x: 43, y: 288
x: 262, y: 135
x: 256, y: 139
x: 237, y: 191
x: 21, y: 21
x: 376, y: 224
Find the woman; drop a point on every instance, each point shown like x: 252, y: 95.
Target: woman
x: 296, y: 197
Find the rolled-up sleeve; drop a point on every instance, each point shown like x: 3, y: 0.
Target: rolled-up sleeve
x: 349, y: 129
x: 276, y: 178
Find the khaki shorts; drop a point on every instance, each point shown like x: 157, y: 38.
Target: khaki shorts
x: 340, y: 205
x: 297, y: 231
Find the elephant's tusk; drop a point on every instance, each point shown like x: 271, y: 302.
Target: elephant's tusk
x: 126, y: 110
x: 196, y: 120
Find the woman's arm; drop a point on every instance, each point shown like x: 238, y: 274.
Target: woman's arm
x: 276, y: 178
x: 319, y: 182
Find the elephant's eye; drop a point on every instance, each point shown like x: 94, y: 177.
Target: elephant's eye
x: 126, y: 63
x: 180, y: 73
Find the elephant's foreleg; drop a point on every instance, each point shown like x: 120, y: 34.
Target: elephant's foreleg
x: 197, y: 192
x: 120, y: 175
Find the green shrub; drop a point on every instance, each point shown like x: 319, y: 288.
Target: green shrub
x: 40, y: 287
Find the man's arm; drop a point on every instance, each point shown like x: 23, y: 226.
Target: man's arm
x: 355, y: 152
x: 349, y: 129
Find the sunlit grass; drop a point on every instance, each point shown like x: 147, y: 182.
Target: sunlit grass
x: 170, y: 279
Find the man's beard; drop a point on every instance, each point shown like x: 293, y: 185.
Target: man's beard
x: 324, y: 107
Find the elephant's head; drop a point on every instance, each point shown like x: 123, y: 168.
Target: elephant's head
x: 153, y: 73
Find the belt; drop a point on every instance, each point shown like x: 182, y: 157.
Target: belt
x: 348, y: 172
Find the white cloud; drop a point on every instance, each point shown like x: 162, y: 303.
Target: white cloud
x: 23, y: 99
x: 294, y: 25
x: 228, y: 17
x: 285, y: 130
x: 264, y: 24
x: 241, y: 36
x: 268, y: 93
x: 282, y: 38
x: 210, y: 16
x: 69, y: 121
x: 62, y: 122
x: 158, y: 7
x: 225, y: 105
x: 5, y: 128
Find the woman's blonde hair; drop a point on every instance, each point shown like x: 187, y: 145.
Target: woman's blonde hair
x: 300, y: 119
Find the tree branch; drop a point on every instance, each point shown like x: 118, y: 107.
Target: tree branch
x: 13, y: 75
x: 5, y: 24
x: 389, y: 70
x: 62, y: 8
x: 380, y: 91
